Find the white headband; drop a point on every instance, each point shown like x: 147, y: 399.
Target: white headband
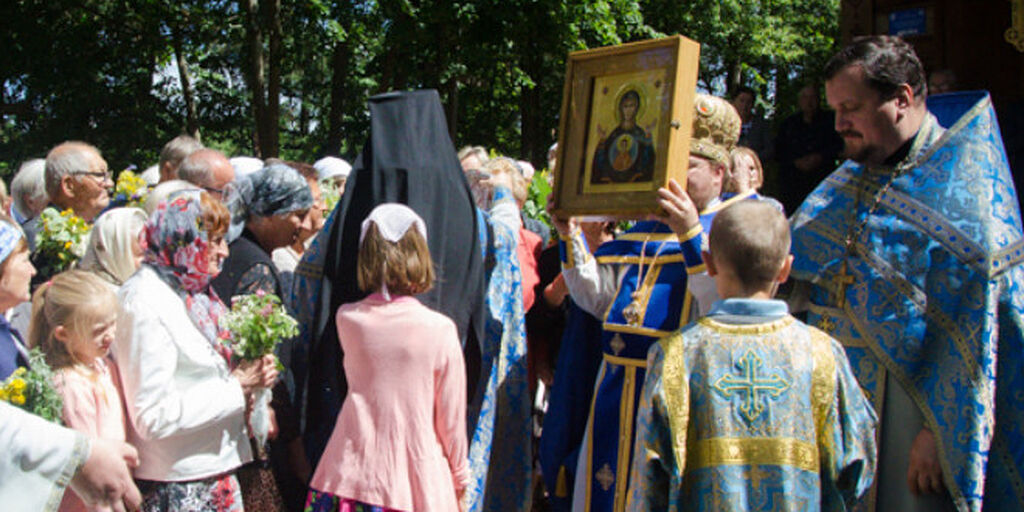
x: 393, y: 221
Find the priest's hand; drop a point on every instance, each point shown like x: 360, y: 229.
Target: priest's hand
x: 563, y: 225
x: 681, y: 213
x: 924, y: 473
x: 104, y: 479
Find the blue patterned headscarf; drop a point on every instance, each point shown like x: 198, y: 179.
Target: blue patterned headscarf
x: 274, y: 190
x: 10, y: 235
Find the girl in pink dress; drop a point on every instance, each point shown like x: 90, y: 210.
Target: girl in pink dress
x: 400, y: 440
x: 73, y: 322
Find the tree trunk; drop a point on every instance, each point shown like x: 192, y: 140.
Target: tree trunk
x: 191, y: 115
x: 339, y: 92
x: 255, y: 74
x: 271, y: 146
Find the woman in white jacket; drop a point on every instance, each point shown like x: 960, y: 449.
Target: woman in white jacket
x: 187, y: 408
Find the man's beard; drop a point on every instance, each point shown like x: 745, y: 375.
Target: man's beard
x: 862, y: 153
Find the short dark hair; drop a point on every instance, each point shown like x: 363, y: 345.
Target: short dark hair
x: 888, y: 62
x: 744, y: 89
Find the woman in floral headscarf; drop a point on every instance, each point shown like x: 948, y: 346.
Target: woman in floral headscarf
x: 185, y: 405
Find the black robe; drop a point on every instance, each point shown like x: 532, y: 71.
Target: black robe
x: 410, y: 159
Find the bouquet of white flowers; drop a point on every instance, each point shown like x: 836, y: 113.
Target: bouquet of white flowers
x: 258, y: 323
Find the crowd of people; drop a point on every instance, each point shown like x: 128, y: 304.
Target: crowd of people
x: 455, y: 354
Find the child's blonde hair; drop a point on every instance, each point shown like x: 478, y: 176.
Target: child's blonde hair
x: 405, y: 266
x: 752, y: 238
x: 74, y: 299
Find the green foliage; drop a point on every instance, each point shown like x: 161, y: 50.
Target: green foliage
x: 107, y: 71
x: 258, y: 323
x: 537, y: 198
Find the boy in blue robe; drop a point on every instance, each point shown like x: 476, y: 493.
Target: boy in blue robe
x: 748, y: 408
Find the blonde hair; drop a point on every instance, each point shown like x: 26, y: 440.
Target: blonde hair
x: 505, y: 165
x: 752, y: 238
x: 405, y: 266
x: 757, y: 180
x: 76, y: 300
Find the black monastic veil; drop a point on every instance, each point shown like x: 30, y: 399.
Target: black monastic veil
x: 410, y: 159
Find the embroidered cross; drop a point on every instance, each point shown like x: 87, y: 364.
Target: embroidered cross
x: 752, y: 384
x: 826, y: 324
x: 842, y: 280
x: 605, y: 477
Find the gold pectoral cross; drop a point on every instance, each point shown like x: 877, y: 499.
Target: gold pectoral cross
x: 842, y: 280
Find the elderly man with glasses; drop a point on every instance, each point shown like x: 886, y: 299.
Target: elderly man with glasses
x: 77, y: 178
x: 208, y: 169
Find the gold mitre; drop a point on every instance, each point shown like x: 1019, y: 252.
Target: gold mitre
x: 716, y: 128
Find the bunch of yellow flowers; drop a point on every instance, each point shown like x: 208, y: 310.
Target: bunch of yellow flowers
x: 13, y: 390
x: 32, y: 389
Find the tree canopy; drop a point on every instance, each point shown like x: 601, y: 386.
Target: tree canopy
x: 291, y: 79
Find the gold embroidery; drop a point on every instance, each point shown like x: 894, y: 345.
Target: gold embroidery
x: 605, y: 477
x: 677, y: 396
x: 724, y: 451
x: 765, y: 328
x: 752, y: 386
x: 617, y: 344
x: 823, y: 386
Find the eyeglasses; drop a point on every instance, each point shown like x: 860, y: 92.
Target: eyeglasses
x: 100, y: 175
x: 221, y: 193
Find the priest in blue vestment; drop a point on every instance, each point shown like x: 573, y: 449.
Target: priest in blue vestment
x: 909, y: 254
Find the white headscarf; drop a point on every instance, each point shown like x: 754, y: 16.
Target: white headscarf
x: 109, y: 250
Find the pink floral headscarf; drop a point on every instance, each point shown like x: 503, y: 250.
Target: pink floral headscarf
x: 176, y: 248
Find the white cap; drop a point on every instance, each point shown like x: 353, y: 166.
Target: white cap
x: 151, y: 175
x: 329, y: 167
x: 244, y: 165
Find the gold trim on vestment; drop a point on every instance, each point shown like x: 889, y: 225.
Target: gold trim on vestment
x: 648, y: 237
x: 765, y: 328
x: 728, y: 202
x: 635, y: 260
x: 697, y: 269
x: 628, y: 362
x: 823, y: 388
x: 677, y: 396
x: 640, y: 331
x: 626, y: 415
x: 731, y: 451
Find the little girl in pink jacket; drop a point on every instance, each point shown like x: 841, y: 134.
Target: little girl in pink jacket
x: 400, y: 440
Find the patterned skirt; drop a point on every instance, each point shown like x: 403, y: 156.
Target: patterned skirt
x: 317, y: 501
x: 215, y: 494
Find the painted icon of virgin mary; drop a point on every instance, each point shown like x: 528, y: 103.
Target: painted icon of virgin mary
x: 626, y: 155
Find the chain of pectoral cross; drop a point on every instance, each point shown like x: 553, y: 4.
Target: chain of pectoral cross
x: 842, y: 279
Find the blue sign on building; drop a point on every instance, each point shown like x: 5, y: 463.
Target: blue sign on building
x: 907, y: 22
